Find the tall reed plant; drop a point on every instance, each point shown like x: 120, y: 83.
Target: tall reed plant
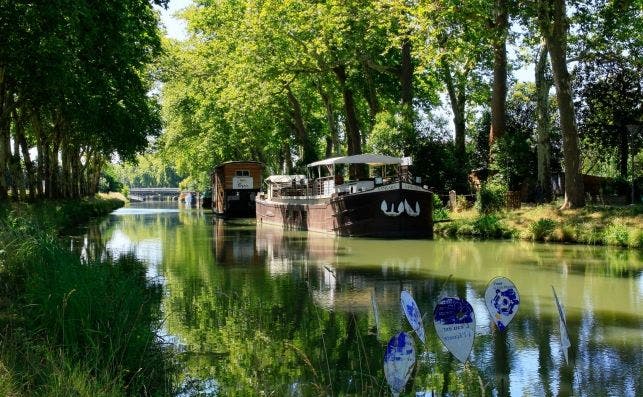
x: 90, y: 328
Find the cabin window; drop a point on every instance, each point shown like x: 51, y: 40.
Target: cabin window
x: 243, y: 173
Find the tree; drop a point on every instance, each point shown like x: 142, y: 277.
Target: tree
x: 552, y: 20
x: 74, y: 84
x: 499, y: 87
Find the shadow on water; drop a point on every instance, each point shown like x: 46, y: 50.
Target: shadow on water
x: 259, y: 310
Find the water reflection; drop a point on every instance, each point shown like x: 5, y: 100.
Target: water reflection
x: 256, y: 309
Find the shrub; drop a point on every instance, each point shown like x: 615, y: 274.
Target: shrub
x: 541, y: 229
x: 461, y: 203
x: 488, y: 226
x: 589, y: 234
x: 637, y: 241
x: 617, y: 234
x: 491, y: 198
x: 439, y: 212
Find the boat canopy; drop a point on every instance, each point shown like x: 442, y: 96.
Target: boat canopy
x: 284, y: 178
x: 370, y: 159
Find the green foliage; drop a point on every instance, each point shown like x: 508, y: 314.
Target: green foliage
x: 541, y: 229
x: 514, y: 154
x: 108, y: 181
x: 488, y: 226
x: 392, y: 134
x: 617, y: 234
x: 435, y: 160
x: 439, y: 210
x: 637, y: 240
x: 491, y: 198
x: 90, y: 326
x: 147, y: 170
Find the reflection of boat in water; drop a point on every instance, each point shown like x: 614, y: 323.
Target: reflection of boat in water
x: 379, y: 206
x: 317, y: 259
x: 234, y: 243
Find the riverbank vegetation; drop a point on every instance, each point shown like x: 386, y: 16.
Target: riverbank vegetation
x: 593, y: 225
x: 70, y: 326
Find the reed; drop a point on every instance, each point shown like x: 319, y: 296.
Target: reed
x: 70, y: 327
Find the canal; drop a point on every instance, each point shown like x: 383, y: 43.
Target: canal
x: 255, y: 310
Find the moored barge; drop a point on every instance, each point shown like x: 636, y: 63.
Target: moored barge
x: 235, y: 185
x: 386, y: 204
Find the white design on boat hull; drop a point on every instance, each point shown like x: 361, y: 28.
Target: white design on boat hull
x: 401, y: 207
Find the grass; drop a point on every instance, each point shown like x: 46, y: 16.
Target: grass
x: 69, y: 327
x: 592, y: 225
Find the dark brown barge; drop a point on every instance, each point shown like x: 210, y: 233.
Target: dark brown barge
x: 235, y: 185
x: 380, y: 206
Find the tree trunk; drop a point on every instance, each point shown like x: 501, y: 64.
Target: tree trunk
x: 370, y: 94
x: 53, y: 172
x: 301, y: 134
x: 94, y: 176
x: 406, y: 96
x: 287, y: 158
x: 17, y: 180
x: 4, y: 159
x: 543, y: 126
x: 5, y: 126
x: 457, y: 99
x: 499, y: 88
x: 333, y: 146
x: 41, y: 144
x: 26, y: 157
x: 353, y: 135
x: 75, y: 174
x: 64, y: 170
x: 554, y: 28
x: 623, y: 150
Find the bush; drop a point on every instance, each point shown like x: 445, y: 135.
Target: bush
x: 617, y: 234
x: 439, y: 212
x: 637, y: 241
x: 541, y: 229
x: 491, y: 198
x: 488, y: 226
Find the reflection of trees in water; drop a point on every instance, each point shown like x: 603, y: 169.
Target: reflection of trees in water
x: 262, y: 309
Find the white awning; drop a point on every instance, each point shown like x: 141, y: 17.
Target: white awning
x: 370, y: 159
x: 284, y: 178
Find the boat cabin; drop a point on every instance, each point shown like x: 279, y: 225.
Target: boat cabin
x: 235, y: 185
x: 286, y: 185
x: 331, y: 175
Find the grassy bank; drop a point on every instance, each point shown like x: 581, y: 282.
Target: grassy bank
x: 68, y: 327
x: 594, y: 225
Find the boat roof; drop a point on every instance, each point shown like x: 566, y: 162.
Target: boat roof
x: 284, y: 178
x: 368, y: 158
x: 238, y: 162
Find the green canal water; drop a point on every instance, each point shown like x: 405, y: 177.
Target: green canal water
x: 255, y: 310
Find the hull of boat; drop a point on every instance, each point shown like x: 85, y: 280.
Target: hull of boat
x: 389, y: 211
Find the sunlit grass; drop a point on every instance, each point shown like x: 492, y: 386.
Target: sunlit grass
x: 595, y: 225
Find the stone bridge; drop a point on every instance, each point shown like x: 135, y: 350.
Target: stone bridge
x: 153, y: 193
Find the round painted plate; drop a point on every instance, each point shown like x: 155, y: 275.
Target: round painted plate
x: 502, y: 301
x: 399, y: 360
x: 412, y: 312
x: 455, y: 324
